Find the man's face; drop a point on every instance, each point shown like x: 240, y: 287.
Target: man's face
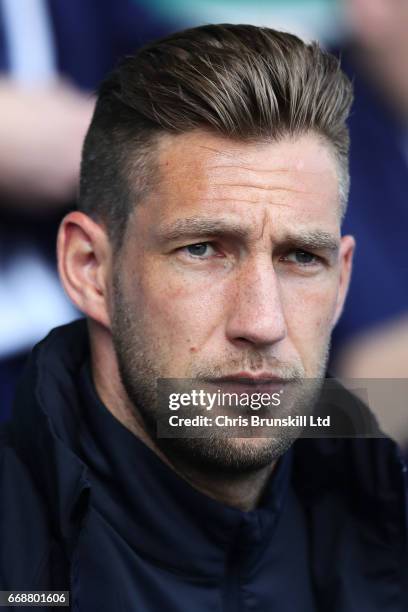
x: 233, y: 265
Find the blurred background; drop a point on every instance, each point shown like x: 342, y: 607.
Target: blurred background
x: 53, y: 54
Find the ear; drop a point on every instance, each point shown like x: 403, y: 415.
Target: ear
x: 84, y: 264
x: 347, y: 246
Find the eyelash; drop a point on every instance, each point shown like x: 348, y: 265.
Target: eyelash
x: 316, y: 258
x: 196, y: 244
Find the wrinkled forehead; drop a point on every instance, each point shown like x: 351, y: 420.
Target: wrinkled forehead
x: 199, y: 169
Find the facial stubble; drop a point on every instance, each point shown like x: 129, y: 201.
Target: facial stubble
x: 142, y: 362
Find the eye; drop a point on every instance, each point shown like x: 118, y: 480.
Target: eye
x: 200, y: 249
x: 302, y: 258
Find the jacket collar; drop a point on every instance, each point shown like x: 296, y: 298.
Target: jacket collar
x: 69, y: 466
x: 150, y: 506
x: 45, y: 426
x: 352, y: 489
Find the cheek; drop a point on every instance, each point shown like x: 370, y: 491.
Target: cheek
x: 310, y: 313
x: 176, y: 312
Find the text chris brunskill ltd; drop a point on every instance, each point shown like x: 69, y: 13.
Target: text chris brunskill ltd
x: 251, y: 421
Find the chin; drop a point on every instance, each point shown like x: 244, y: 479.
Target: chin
x: 225, y: 456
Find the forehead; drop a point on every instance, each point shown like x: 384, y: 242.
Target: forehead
x: 293, y: 180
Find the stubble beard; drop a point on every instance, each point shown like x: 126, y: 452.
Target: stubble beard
x: 140, y: 367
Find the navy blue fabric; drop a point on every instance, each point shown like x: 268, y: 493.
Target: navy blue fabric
x: 377, y: 214
x: 72, y: 517
x: 186, y: 549
x: 10, y: 371
x: 89, y: 36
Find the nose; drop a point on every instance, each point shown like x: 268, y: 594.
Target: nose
x: 256, y: 313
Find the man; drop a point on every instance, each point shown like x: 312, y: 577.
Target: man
x: 207, y: 247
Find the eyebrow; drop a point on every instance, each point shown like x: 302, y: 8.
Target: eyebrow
x: 313, y: 240
x: 197, y: 227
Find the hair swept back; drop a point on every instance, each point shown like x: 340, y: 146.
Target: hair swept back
x: 242, y: 81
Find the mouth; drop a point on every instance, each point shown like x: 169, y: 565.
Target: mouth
x: 245, y: 382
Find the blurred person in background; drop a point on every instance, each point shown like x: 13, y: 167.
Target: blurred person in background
x: 372, y: 337
x: 53, y: 53
x: 371, y: 340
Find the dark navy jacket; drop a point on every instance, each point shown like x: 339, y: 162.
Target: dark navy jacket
x: 343, y: 513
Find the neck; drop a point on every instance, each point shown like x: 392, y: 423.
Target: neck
x: 242, y: 491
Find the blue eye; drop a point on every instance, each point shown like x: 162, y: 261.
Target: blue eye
x: 302, y: 258
x: 198, y: 250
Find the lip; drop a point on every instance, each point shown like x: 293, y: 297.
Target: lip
x: 250, y: 379
x: 245, y: 382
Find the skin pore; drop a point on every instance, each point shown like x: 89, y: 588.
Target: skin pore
x: 233, y: 264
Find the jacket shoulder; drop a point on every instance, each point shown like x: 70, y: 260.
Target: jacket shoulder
x: 26, y: 541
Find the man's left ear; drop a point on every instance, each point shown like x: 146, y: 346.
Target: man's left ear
x: 347, y: 246
x: 84, y: 264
